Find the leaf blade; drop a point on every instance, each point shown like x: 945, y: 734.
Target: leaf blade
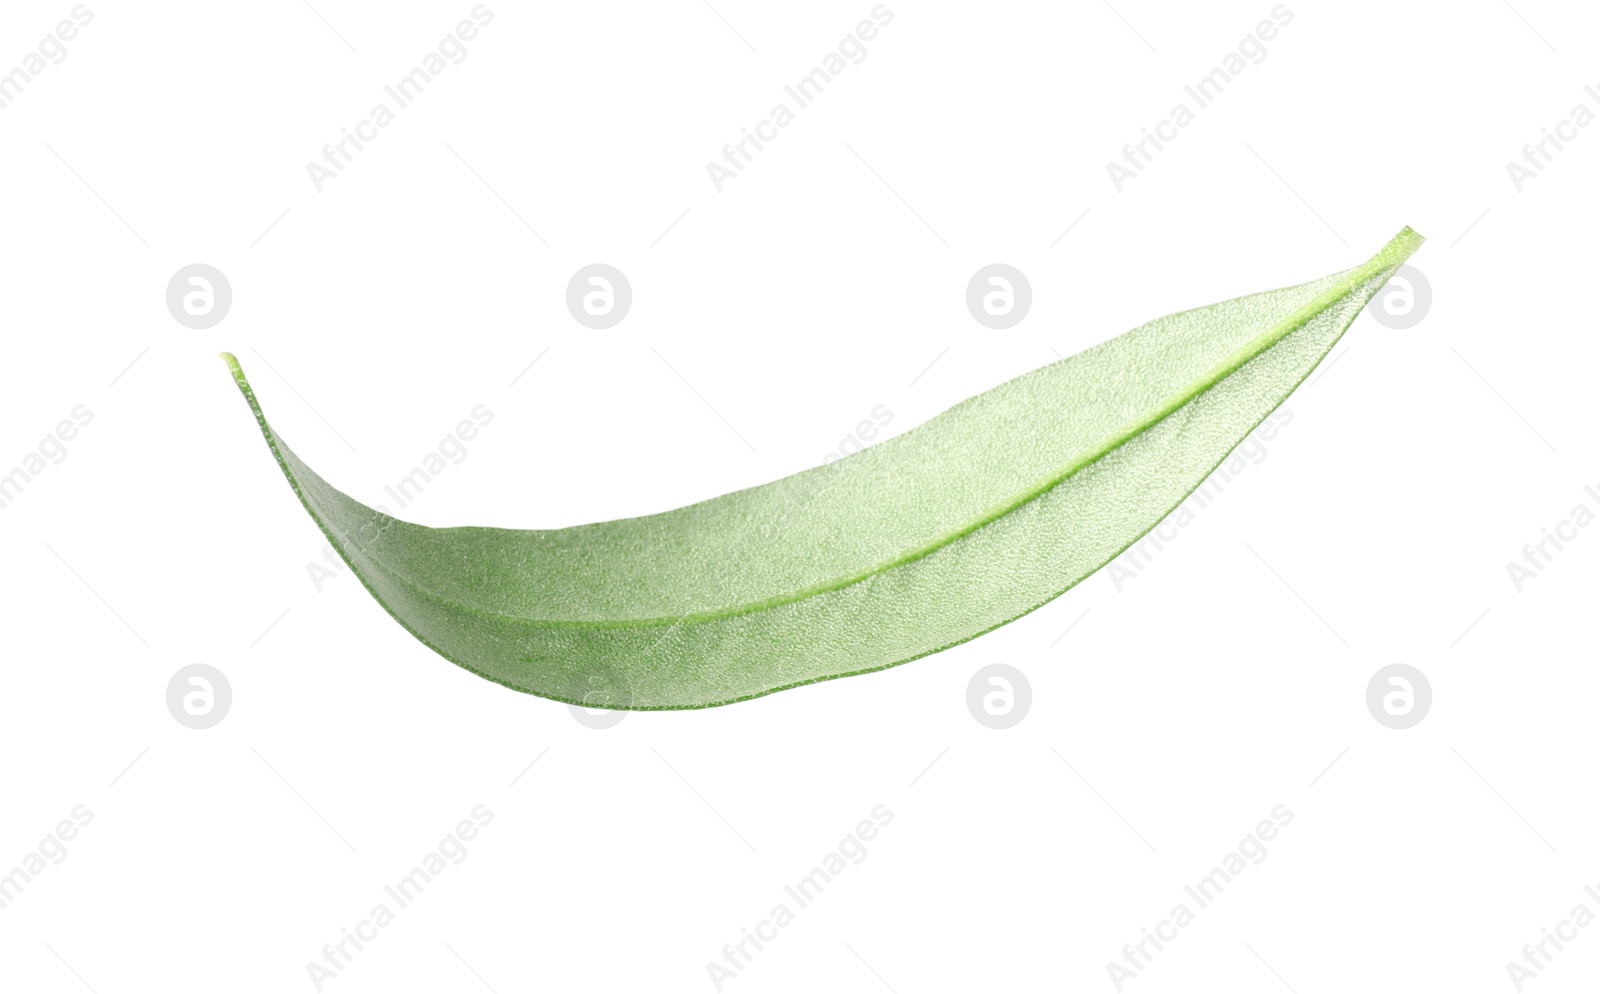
x: 926, y: 540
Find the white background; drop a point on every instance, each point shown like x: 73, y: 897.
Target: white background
x: 767, y: 321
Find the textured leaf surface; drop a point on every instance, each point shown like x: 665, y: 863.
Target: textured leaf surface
x: 918, y: 543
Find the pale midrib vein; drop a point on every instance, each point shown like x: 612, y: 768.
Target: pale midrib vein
x: 1396, y: 251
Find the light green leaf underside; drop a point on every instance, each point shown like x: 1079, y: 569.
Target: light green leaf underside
x: 918, y: 543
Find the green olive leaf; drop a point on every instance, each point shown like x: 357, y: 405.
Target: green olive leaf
x: 913, y: 545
